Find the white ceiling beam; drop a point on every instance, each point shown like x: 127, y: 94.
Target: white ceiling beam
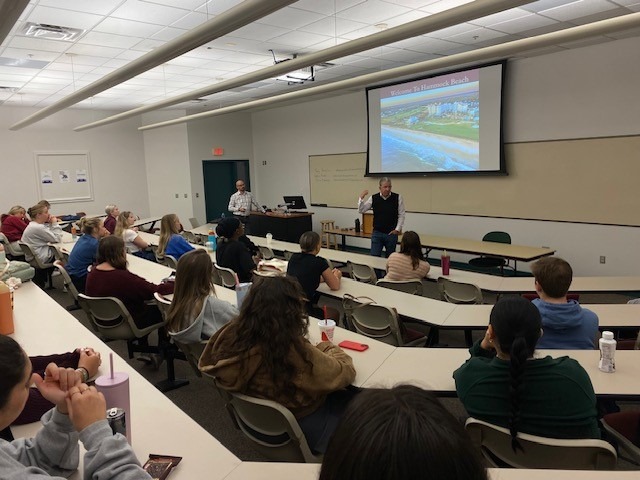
x: 229, y: 21
x: 438, y: 21
x: 495, y: 52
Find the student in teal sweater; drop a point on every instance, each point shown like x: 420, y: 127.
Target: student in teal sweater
x: 502, y: 383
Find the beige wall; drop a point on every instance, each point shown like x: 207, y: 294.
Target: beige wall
x: 116, y: 152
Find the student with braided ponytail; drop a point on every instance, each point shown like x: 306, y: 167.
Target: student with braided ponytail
x: 502, y: 383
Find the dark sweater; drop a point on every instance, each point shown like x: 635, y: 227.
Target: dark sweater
x: 385, y: 212
x: 236, y: 256
x: 557, y: 398
x: 12, y: 227
x: 131, y: 289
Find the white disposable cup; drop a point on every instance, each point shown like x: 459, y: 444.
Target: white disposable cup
x: 327, y: 327
x: 269, y: 238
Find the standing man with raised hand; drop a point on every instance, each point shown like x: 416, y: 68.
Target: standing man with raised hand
x: 241, y: 203
x: 388, y: 217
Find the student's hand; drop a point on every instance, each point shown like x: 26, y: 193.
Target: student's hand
x: 394, y: 232
x: 135, y: 229
x: 90, y: 359
x: 56, y: 383
x: 337, y: 273
x: 86, y: 406
x: 364, y: 194
x: 487, y: 343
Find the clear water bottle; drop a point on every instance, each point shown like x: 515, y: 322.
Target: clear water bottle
x: 607, y: 345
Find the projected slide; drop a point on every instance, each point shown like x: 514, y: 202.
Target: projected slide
x: 432, y: 126
x: 437, y: 124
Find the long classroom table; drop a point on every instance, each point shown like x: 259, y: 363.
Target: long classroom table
x: 486, y: 282
x: 447, y: 315
x: 463, y: 245
x: 436, y: 367
x: 61, y: 332
x: 43, y: 327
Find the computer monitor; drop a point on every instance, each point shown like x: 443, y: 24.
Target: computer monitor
x: 295, y: 202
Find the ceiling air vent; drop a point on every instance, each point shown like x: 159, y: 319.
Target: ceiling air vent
x: 51, y: 32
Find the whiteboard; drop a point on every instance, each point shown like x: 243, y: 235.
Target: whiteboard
x: 64, y: 176
x: 593, y: 180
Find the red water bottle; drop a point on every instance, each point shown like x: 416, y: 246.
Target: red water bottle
x: 445, y: 259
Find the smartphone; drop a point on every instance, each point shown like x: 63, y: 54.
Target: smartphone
x: 360, y: 347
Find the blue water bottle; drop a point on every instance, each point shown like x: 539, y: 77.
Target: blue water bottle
x: 212, y: 241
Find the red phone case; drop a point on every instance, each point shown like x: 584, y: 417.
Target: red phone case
x: 360, y: 347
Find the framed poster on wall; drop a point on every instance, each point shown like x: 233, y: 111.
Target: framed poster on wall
x: 64, y: 176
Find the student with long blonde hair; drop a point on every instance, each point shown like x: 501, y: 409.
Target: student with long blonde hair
x: 134, y: 243
x: 171, y: 242
x: 196, y: 313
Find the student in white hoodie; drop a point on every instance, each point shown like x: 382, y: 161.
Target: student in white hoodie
x: 196, y: 313
x: 79, y: 414
x: 42, y: 230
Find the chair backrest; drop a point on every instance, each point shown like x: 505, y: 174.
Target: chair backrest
x: 373, y: 320
x: 66, y: 280
x: 169, y: 261
x: 163, y: 305
x: 227, y: 276
x: 271, y: 427
x: 194, y: 222
x: 498, y: 237
x: 287, y: 255
x: 361, y: 272
x: 459, y: 292
x: 10, y: 248
x: 190, y: 237
x: 111, y: 318
x: 540, y: 452
x: 267, y: 253
x: 32, y: 258
x: 414, y: 287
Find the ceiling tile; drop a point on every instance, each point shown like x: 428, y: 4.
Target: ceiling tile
x: 39, y: 44
x: 373, y: 11
x: 442, y: 5
x: 523, y: 24
x: 108, y: 40
x: 298, y: 39
x: 95, y: 50
x: 333, y: 25
x: 118, y: 26
x: 291, y: 17
x: 99, y: 7
x: 577, y: 9
x: 148, y: 12
x: 260, y: 31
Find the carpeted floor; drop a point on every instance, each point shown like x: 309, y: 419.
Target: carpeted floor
x: 201, y: 402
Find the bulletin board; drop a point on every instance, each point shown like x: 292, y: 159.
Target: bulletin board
x: 591, y: 180
x: 64, y: 176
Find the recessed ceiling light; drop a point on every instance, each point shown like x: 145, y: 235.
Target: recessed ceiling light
x: 381, y: 26
x: 230, y: 44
